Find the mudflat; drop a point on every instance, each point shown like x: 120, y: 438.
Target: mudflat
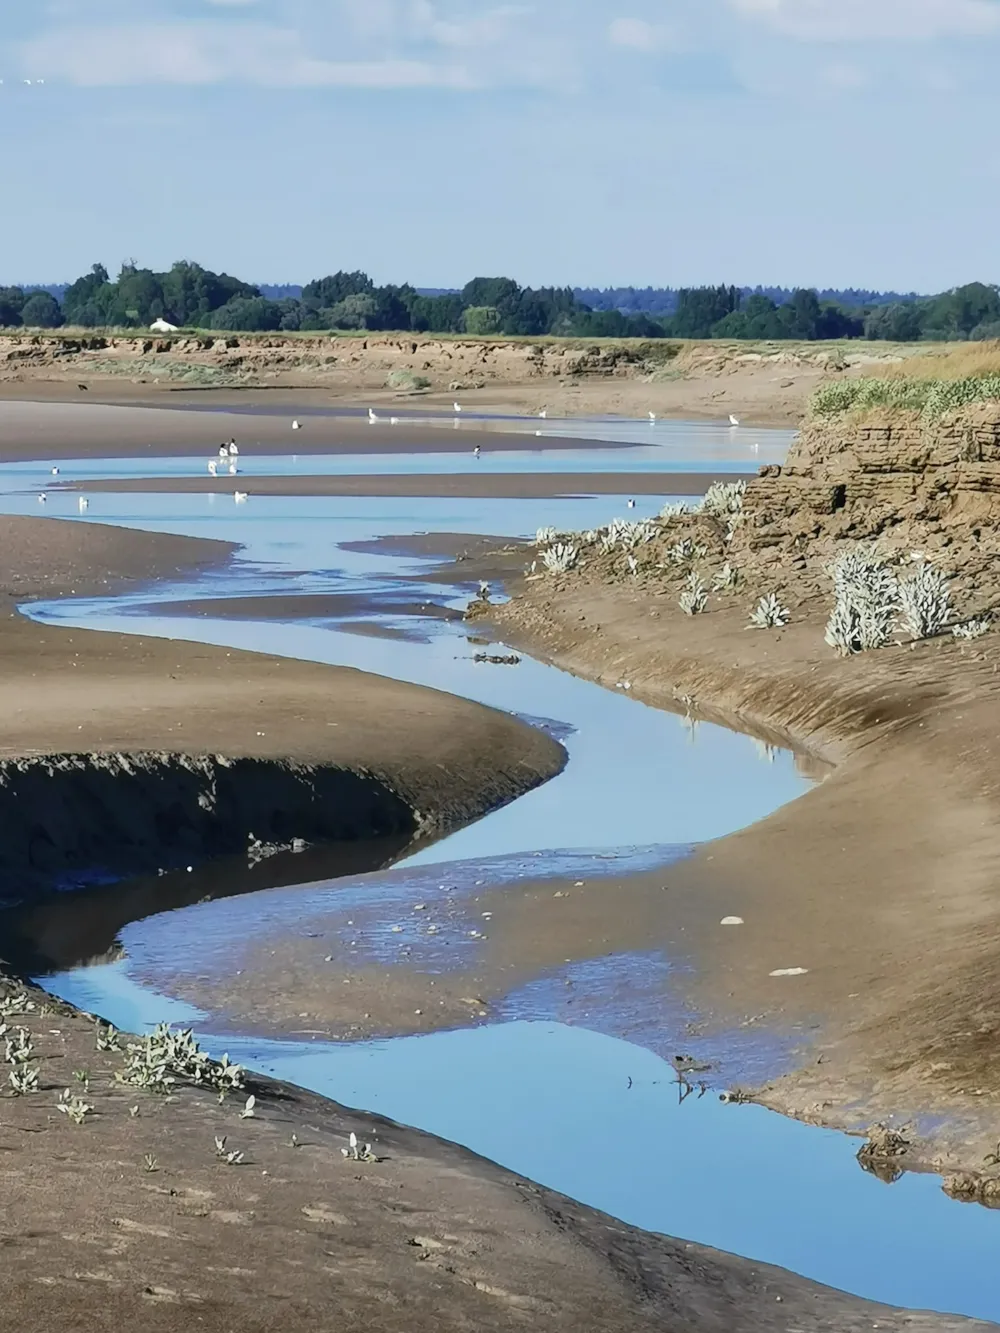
x: 137, y: 1213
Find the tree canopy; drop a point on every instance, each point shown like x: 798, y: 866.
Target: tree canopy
x: 191, y: 296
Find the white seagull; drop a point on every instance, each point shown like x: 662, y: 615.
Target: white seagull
x: 240, y: 497
x: 213, y: 466
x: 394, y: 421
x: 457, y: 407
x: 652, y: 416
x: 733, y: 420
x: 42, y: 499
x: 296, y: 426
x: 477, y: 451
x: 232, y: 468
x: 543, y: 414
x: 223, y: 450
x: 372, y: 418
x: 233, y: 449
x: 55, y: 472
x: 631, y: 504
x: 83, y: 502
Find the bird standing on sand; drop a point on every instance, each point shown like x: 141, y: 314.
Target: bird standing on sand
x: 457, y: 407
x: 733, y: 420
x: 372, y: 418
x: 543, y: 413
x: 652, y: 416
x: 477, y: 451
x: 223, y: 450
x: 233, y: 449
x: 296, y: 426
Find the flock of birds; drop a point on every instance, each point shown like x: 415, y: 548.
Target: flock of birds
x: 229, y: 452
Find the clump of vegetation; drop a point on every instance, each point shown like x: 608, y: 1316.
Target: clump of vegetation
x: 769, y: 613
x: 694, y: 597
x: 932, y: 398
x: 672, y: 511
x: 866, y: 602
x: 724, y: 499
x: 684, y: 551
x: 546, y: 536
x: 561, y: 558
x: 73, y: 1107
x: 358, y: 1152
x: 627, y: 534
x: 973, y: 629
x: 727, y: 577
x: 164, y: 1057
x: 925, y: 601
x: 407, y: 381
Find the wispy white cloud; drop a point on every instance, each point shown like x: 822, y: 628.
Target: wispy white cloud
x: 210, y: 52
x: 874, y: 20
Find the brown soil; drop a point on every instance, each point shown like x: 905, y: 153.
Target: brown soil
x: 133, y: 1217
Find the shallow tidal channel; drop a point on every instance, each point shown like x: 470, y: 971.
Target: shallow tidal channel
x: 568, y: 1078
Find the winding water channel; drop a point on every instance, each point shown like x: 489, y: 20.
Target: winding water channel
x: 584, y: 1098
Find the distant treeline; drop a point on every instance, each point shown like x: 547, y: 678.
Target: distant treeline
x: 191, y: 296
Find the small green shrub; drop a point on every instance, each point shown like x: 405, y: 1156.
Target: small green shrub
x: 931, y: 398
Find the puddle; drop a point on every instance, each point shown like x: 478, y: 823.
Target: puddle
x: 539, y: 1087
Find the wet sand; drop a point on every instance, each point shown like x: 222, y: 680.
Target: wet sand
x: 133, y: 1217
x: 517, y: 486
x: 880, y: 882
x: 53, y: 430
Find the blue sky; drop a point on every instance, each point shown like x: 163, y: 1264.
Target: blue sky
x: 823, y: 142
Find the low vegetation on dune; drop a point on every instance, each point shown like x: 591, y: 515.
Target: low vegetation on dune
x: 872, y: 596
x: 932, y: 398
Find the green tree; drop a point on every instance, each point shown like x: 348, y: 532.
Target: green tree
x: 323, y: 293
x: 436, y: 314
x: 482, y: 320
x: 699, y: 309
x: 87, y: 300
x: 11, y: 305
x: 357, y: 311
x: 41, y: 310
x: 247, y: 314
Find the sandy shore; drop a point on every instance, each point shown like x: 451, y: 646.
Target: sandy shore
x: 133, y: 1216
x: 765, y: 384
x: 879, y: 882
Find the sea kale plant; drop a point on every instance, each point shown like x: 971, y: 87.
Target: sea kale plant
x: 561, y: 558
x: 866, y: 602
x: 694, y: 597
x: 769, y: 613
x: 924, y: 601
x: 163, y: 1058
x: 724, y: 499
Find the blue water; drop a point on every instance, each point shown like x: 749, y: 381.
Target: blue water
x: 550, y: 1099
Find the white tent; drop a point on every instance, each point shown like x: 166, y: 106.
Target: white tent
x: 161, y: 326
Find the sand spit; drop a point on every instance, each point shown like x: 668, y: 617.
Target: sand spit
x: 515, y: 485
x: 879, y: 884
x: 148, y: 753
